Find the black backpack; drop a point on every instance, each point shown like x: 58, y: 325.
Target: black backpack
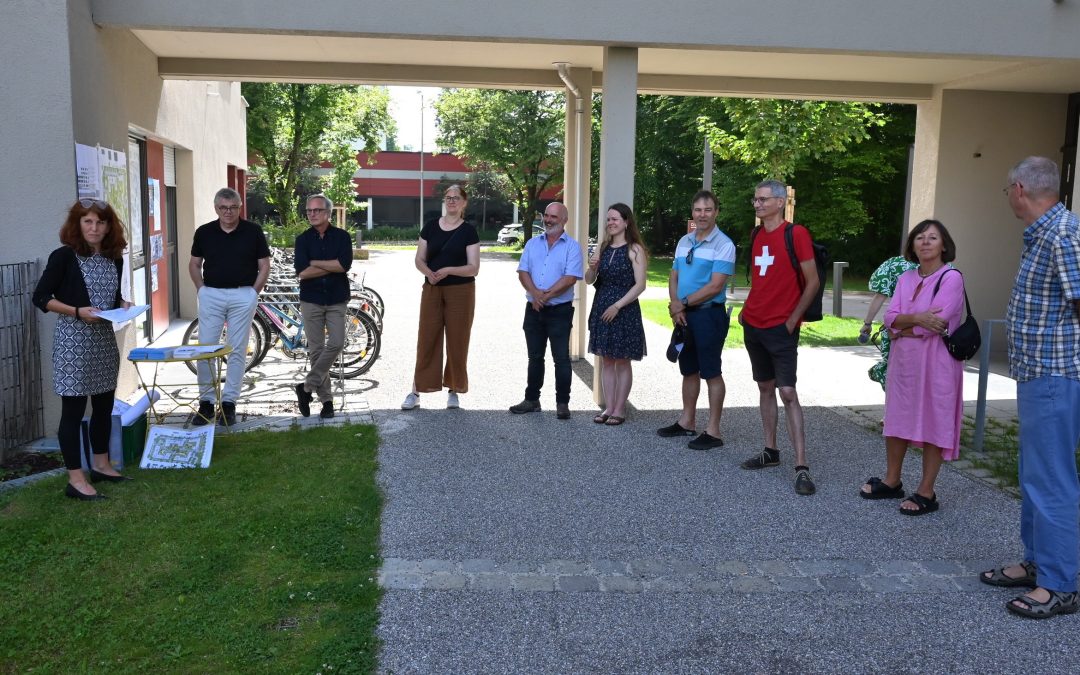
x: 821, y: 261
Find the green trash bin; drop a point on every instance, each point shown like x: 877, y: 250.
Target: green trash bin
x: 132, y: 440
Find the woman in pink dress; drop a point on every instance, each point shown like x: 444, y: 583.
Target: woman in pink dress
x: 924, y: 401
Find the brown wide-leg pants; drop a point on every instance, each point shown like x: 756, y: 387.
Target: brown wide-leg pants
x: 446, y: 312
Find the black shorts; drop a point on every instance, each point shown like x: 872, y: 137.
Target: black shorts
x: 707, y: 330
x: 774, y: 353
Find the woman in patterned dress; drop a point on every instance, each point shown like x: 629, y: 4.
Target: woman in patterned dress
x: 615, y: 330
x: 81, y: 279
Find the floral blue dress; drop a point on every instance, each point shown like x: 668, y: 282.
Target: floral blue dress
x: 623, y: 338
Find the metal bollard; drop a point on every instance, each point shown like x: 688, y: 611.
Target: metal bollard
x: 838, y: 288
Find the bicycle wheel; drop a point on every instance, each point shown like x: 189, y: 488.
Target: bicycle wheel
x: 364, y: 304
x: 261, y: 324
x: 362, y: 343
x: 256, y: 342
x: 376, y: 299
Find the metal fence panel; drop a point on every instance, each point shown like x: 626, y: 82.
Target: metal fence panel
x: 21, y: 412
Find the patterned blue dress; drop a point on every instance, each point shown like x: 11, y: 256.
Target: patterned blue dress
x: 85, y: 357
x: 623, y: 338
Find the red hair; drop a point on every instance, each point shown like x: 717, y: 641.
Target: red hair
x: 112, y: 246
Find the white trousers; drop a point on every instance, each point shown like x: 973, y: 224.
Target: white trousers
x: 218, y: 307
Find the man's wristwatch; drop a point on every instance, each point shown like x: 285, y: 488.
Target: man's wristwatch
x: 685, y: 301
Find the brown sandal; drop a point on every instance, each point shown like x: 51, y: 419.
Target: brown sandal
x: 614, y: 420
x: 601, y: 418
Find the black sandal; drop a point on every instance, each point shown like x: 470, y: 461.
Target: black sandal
x: 926, y: 505
x: 879, y: 489
x: 997, y: 577
x: 1059, y: 603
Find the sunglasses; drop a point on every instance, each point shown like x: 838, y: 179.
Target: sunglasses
x: 87, y: 203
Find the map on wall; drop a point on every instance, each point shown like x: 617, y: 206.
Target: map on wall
x: 114, y: 184
x: 176, y: 448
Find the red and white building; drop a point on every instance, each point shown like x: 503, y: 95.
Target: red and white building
x: 394, y: 180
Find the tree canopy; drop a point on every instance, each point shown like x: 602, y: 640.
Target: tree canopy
x: 774, y: 135
x: 518, y: 134
x: 292, y: 128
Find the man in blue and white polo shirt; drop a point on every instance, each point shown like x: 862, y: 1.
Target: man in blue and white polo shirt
x: 704, y: 259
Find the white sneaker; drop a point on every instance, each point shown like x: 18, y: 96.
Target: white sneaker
x: 411, y: 401
x: 452, y: 400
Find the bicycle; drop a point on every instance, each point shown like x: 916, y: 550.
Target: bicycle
x: 279, y: 321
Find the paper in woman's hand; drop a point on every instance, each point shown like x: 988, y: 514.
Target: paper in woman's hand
x: 122, y: 315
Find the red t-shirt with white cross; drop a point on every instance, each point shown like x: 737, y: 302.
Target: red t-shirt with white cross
x: 774, y: 285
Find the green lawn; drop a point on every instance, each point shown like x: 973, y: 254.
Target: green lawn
x: 660, y: 268
x: 265, y: 562
x: 829, y: 332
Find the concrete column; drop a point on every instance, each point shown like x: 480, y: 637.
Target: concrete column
x: 576, y: 176
x: 37, y: 150
x: 618, y: 126
x: 370, y: 213
x: 618, y: 136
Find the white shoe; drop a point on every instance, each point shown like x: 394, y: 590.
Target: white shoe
x: 452, y: 401
x: 411, y: 401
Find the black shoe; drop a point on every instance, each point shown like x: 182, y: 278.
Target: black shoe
x: 767, y: 457
x: 303, y: 400
x: 705, y: 442
x: 562, y: 411
x: 205, y: 414
x: 228, y: 414
x: 674, y: 430
x: 525, y: 406
x: 96, y: 475
x: 327, y: 411
x: 804, y: 485
x: 73, y: 492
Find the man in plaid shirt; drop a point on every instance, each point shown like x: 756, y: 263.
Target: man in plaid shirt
x: 1044, y: 359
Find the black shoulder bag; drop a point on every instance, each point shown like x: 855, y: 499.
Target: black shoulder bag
x: 966, y: 339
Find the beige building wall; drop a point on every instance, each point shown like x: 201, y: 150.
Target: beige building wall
x: 965, y: 144
x: 79, y: 83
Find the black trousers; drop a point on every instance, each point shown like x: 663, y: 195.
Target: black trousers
x: 72, y: 409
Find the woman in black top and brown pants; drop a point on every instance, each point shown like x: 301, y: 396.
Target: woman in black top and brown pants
x: 81, y: 279
x: 448, y: 255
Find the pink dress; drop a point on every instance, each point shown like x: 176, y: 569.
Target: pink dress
x: 924, y: 400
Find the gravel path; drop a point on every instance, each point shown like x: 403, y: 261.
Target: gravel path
x: 527, y: 544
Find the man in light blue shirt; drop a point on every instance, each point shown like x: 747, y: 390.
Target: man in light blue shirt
x: 704, y: 259
x: 550, y: 266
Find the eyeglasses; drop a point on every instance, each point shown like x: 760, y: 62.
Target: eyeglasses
x: 311, y: 211
x: 453, y: 199
x: 227, y: 209
x: 87, y: 203
x: 1005, y: 190
x: 690, y: 254
x: 760, y: 200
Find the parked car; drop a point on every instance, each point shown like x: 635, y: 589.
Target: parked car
x: 512, y: 234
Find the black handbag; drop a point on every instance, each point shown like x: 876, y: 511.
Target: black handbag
x: 965, y: 341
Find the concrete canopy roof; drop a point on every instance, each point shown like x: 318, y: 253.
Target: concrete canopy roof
x: 856, y: 49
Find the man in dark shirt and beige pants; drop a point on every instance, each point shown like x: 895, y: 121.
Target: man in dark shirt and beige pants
x: 230, y: 262
x: 323, y: 258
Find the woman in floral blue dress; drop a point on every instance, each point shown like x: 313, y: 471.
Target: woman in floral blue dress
x: 616, y: 334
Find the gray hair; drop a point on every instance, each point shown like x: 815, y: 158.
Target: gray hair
x: 776, y: 188
x: 227, y: 194
x: 1038, y: 175
x: 327, y: 204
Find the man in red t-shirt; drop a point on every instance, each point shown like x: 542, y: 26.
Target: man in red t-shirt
x: 771, y: 318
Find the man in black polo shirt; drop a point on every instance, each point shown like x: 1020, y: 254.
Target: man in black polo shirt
x: 230, y: 262
x: 323, y: 258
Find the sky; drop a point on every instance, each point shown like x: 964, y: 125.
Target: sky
x: 405, y: 109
